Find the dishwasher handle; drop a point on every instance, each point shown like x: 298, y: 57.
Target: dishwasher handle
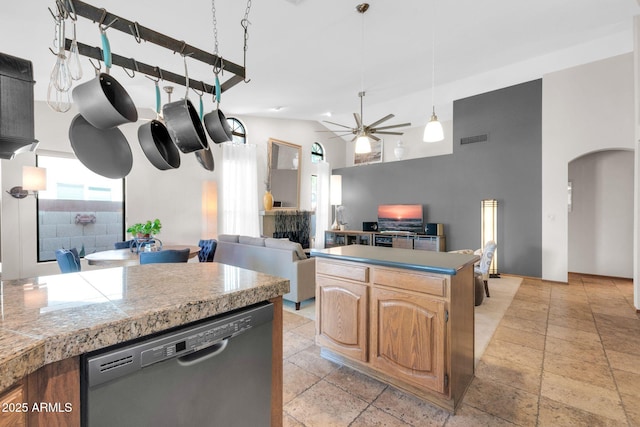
x: 204, y: 354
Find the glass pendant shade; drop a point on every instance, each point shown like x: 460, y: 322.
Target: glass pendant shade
x: 433, y: 132
x: 363, y: 145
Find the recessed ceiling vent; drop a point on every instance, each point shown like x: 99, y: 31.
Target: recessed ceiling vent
x: 474, y: 139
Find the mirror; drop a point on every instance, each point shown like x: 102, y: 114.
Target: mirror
x: 284, y: 174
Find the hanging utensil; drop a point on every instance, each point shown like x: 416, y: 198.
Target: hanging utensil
x: 183, y: 122
x: 215, y: 122
x: 103, y: 101
x: 156, y: 142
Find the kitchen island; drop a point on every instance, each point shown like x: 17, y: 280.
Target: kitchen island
x: 48, y: 322
x: 402, y: 316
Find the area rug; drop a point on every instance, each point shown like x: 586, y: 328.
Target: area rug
x: 487, y: 315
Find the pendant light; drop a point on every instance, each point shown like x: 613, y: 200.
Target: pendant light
x: 433, y: 131
x: 363, y: 144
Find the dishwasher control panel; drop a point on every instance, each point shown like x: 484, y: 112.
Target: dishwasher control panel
x: 199, y: 339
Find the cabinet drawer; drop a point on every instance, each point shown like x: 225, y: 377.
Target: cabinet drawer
x: 359, y: 273
x: 414, y: 281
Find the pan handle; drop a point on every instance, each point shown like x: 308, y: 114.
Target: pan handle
x: 157, y: 97
x: 106, y: 49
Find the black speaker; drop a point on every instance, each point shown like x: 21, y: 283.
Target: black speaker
x: 433, y: 229
x: 370, y: 226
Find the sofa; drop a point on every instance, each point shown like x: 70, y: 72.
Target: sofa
x: 278, y: 257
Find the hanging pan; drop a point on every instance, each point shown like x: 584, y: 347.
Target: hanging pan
x: 204, y: 156
x: 215, y: 122
x: 183, y: 122
x: 103, y: 151
x: 155, y: 141
x: 103, y: 101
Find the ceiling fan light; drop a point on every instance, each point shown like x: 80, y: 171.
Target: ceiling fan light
x: 363, y: 145
x: 433, y: 132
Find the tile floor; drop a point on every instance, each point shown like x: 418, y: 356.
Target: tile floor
x: 562, y: 355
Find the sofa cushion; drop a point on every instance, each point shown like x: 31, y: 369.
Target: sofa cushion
x: 286, y: 244
x: 255, y: 241
x: 233, y: 238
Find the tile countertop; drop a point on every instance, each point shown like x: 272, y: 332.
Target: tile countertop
x: 412, y: 259
x: 51, y: 318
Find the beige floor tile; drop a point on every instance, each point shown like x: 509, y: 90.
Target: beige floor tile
x: 554, y: 414
x: 291, y: 321
x: 623, y: 342
x: 593, y: 373
x: 515, y: 353
x: 576, y: 311
x: 538, y: 316
x: 410, y: 409
x: 586, y: 351
x: 374, y: 417
x: 624, y: 361
x: 469, y: 416
x: 520, y: 304
x: 289, y: 421
x: 628, y: 383
x: 516, y: 336
x: 569, y: 322
x: 582, y: 395
x: 615, y: 310
x: 310, y: 359
x: 617, y: 324
x: 325, y: 405
x: 307, y: 330
x: 510, y: 373
x: 294, y: 343
x: 524, y: 324
x: 632, y: 408
x: 570, y: 334
x: 296, y: 380
x: 505, y: 402
x: 360, y: 385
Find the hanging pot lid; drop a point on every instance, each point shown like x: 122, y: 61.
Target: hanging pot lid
x: 103, y: 151
x: 205, y: 158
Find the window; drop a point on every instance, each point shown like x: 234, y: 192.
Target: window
x: 317, y: 153
x: 238, y: 129
x: 79, y: 209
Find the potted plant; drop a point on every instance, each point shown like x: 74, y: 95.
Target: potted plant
x: 145, y: 230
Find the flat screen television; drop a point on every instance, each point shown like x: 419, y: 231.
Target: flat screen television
x: 404, y: 218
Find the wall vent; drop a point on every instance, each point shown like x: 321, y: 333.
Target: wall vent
x: 474, y: 139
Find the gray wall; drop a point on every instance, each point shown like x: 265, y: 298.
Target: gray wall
x: 507, y: 167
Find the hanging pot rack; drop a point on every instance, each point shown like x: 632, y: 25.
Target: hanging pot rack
x: 75, y: 8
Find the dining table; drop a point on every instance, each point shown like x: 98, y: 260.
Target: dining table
x: 124, y: 257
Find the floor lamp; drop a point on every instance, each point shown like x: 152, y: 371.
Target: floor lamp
x: 336, y: 198
x: 489, y: 230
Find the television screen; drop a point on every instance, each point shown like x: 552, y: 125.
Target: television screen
x: 407, y: 218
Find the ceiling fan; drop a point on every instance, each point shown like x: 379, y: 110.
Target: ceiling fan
x: 361, y: 131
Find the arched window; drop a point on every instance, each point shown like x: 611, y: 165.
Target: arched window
x: 239, y: 132
x: 317, y: 153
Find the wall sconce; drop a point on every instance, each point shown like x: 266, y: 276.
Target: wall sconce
x: 335, y: 197
x: 34, y: 179
x: 489, y: 230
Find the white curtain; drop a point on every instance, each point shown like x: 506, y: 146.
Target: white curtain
x: 240, y: 190
x: 323, y: 219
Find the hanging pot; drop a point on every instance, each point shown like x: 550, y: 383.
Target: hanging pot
x: 103, y: 151
x: 156, y: 143
x: 102, y: 101
x: 183, y: 123
x: 216, y: 123
x: 205, y: 158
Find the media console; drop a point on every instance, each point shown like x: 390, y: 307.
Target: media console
x: 333, y: 238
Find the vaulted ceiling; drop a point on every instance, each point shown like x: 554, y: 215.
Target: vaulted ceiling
x: 306, y: 58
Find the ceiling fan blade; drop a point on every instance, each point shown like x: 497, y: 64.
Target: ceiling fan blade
x: 384, y: 119
x: 392, y: 126
x: 390, y: 133
x: 375, y: 138
x: 354, y: 138
x: 337, y: 124
x: 358, y: 120
x: 336, y: 131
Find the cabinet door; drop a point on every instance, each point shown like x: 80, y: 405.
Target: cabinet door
x: 14, y: 407
x: 342, y: 317
x: 402, y: 242
x: 408, y: 333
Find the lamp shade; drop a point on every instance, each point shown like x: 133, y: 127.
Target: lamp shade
x: 34, y: 178
x: 363, y: 145
x: 336, y: 190
x: 433, y: 132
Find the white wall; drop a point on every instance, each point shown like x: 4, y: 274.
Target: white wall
x: 175, y: 196
x: 602, y: 214
x: 584, y: 109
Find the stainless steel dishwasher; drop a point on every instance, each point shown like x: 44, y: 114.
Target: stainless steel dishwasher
x: 216, y: 372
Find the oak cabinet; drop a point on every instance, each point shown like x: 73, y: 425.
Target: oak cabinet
x: 14, y: 407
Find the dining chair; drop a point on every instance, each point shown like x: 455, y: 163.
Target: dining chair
x: 207, y: 250
x: 67, y: 261
x: 482, y: 269
x: 166, y: 256
x: 123, y: 245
